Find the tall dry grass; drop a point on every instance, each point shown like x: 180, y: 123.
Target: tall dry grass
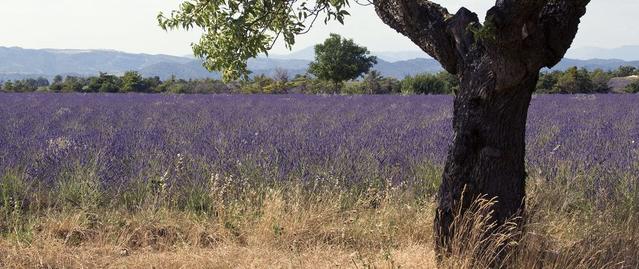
x: 226, y: 224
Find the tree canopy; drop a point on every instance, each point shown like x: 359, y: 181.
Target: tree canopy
x: 339, y: 59
x: 237, y: 30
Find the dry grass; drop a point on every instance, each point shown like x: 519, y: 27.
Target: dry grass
x: 293, y: 228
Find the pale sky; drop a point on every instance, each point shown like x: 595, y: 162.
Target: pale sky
x: 131, y: 26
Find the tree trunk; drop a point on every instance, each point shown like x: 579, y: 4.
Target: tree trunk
x: 486, y: 157
x: 498, y: 64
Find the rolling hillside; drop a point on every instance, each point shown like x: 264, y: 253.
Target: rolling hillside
x: 19, y: 63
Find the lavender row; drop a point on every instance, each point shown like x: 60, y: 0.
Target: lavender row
x: 121, y: 137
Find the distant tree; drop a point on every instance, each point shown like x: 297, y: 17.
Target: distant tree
x: 391, y: 85
x: 258, y: 84
x: 423, y: 84
x: 56, y: 85
x: 166, y: 84
x: 174, y: 85
x: 132, y: 81
x: 179, y: 87
x: 339, y: 59
x: 152, y: 83
x: 375, y: 83
x: 372, y: 83
x: 281, y: 75
x: 624, y: 71
x: 547, y: 81
x: 574, y: 80
x: 600, y: 79
x: 104, y: 83
x: 452, y: 83
x: 73, y: 84
x: 19, y: 86
x: 42, y: 82
x: 30, y: 84
x: 354, y: 87
x: 8, y: 86
x: 210, y: 86
x: 633, y: 87
x: 58, y: 79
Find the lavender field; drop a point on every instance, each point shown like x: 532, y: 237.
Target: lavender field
x: 123, y: 138
x: 174, y: 181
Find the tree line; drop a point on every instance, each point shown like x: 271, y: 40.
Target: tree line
x: 580, y: 80
x: 572, y: 80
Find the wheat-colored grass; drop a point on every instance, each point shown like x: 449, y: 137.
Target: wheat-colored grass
x: 290, y: 227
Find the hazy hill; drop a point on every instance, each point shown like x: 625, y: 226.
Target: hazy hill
x: 592, y: 64
x: 308, y: 53
x: 193, y: 68
x: 628, y: 53
x: 48, y: 61
x: 18, y: 63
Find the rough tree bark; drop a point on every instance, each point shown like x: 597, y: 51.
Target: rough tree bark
x: 498, y: 65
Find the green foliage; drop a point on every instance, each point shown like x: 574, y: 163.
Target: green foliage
x: 484, y: 32
x: 318, y: 86
x: 262, y: 84
x: 624, y: 71
x: 633, y: 87
x: 74, y: 84
x: 104, y: 83
x: 441, y: 83
x: 452, y: 82
x: 339, y: 59
x: 306, y: 84
x: 580, y: 80
x: 547, y: 81
x: 236, y: 30
x: 8, y: 87
x: 375, y: 83
x: 132, y: 81
x: 574, y: 80
x: 372, y: 83
x: 600, y: 80
x: 56, y: 86
x: 174, y: 86
x: 25, y: 85
x: 353, y: 87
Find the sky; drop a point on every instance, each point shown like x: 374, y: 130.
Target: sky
x: 131, y: 26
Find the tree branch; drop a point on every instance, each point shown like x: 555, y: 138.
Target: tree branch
x: 559, y: 22
x: 423, y: 22
x: 541, y: 31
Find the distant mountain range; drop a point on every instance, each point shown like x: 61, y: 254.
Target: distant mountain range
x: 19, y: 63
x: 628, y: 53
x: 308, y: 53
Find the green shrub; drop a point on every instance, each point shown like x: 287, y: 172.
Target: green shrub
x: 354, y: 87
x: 574, y: 80
x: 425, y: 84
x: 633, y: 87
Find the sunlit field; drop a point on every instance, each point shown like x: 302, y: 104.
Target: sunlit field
x: 228, y: 181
